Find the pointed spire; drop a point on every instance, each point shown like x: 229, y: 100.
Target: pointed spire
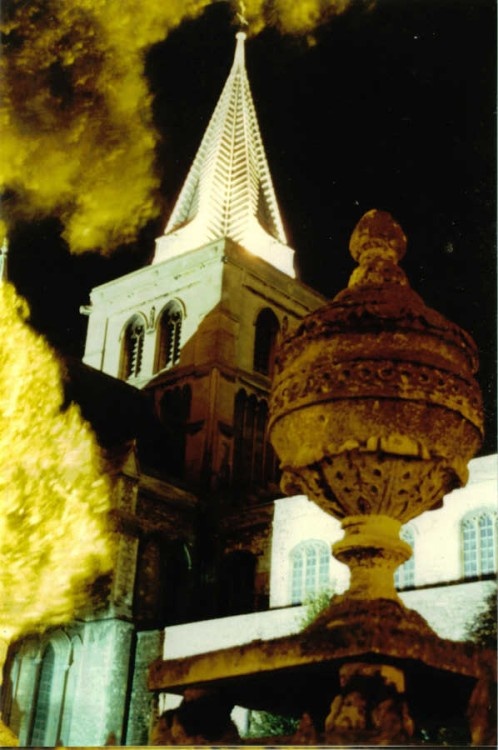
x: 229, y: 191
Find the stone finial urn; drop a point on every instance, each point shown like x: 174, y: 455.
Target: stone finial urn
x: 375, y: 411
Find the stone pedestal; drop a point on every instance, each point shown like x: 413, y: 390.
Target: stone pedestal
x: 372, y: 550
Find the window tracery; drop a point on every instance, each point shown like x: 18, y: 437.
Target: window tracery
x: 132, y: 348
x: 170, y: 332
x: 254, y: 461
x: 310, y: 569
x: 479, y: 541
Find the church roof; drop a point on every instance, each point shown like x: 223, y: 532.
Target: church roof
x: 228, y: 191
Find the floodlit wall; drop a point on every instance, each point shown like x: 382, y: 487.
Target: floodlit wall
x: 297, y: 519
x: 195, y: 284
x: 224, y: 632
x: 438, y: 550
x: 449, y: 610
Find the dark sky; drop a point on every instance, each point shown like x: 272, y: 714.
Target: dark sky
x: 392, y: 108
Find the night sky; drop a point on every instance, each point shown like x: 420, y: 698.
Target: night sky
x: 392, y: 107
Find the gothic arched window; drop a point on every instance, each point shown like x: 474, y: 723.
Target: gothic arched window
x: 175, y: 413
x: 170, y: 332
x: 8, y: 706
x: 254, y: 460
x: 42, y: 698
x: 404, y: 576
x: 478, y: 535
x: 70, y: 690
x: 163, y: 582
x: 265, y: 341
x: 132, y: 348
x: 310, y: 570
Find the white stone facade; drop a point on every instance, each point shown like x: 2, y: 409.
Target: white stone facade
x: 195, y: 283
x: 438, y: 541
x: 439, y: 592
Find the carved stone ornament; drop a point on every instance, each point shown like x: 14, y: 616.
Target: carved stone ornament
x: 375, y: 411
x: 371, y: 707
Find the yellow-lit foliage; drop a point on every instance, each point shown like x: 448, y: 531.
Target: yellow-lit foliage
x: 77, y: 134
x: 291, y: 16
x: 53, y: 495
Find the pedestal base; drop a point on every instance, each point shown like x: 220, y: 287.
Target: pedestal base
x: 440, y: 683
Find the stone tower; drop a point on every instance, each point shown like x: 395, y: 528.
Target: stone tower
x: 197, y: 329
x: 194, y: 476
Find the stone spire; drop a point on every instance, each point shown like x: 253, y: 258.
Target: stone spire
x: 228, y: 191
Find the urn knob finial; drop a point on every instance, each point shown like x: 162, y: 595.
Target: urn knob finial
x: 377, y: 244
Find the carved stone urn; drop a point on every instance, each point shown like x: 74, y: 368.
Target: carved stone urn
x: 375, y: 414
x: 375, y: 411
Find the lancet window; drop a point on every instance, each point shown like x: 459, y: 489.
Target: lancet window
x: 175, y: 413
x: 42, y: 699
x: 254, y: 462
x: 405, y: 574
x: 310, y: 570
x: 479, y: 543
x: 163, y: 580
x: 132, y: 348
x: 265, y: 341
x: 170, y: 332
x: 47, y: 684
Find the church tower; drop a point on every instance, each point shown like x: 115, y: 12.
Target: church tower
x: 197, y: 331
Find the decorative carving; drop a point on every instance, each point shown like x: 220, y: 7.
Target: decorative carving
x: 377, y: 378
x: 375, y: 411
x: 367, y: 480
x: 371, y: 707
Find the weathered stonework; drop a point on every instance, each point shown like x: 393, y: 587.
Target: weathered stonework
x: 375, y: 414
x: 375, y: 411
x: 148, y: 647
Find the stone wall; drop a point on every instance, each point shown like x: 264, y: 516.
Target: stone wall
x: 449, y: 609
x: 101, y: 688
x: 211, y: 635
x: 149, y: 646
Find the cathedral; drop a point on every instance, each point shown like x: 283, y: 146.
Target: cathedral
x: 175, y: 382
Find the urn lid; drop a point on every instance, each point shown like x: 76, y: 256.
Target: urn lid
x: 374, y: 405
x: 379, y: 299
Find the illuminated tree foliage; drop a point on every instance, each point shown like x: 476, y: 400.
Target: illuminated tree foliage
x: 53, y: 496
